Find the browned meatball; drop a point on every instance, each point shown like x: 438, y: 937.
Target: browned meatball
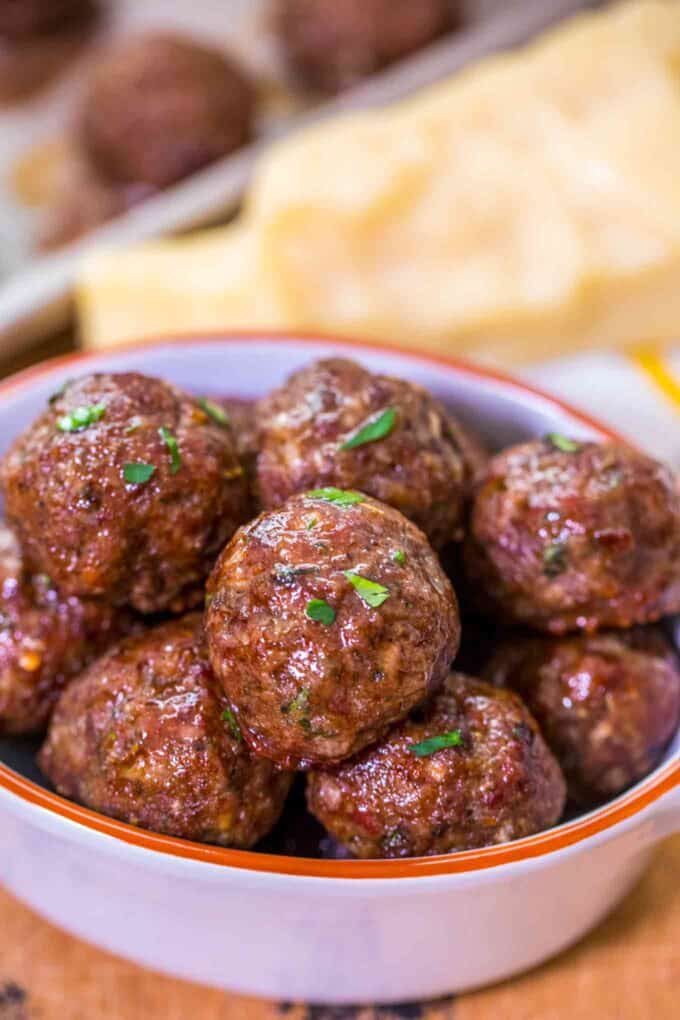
x: 332, y: 44
x: 571, y: 535
x: 160, y: 107
x: 313, y: 433
x: 470, y: 770
x: 146, y: 735
x: 45, y: 640
x: 124, y: 488
x: 328, y: 620
x: 608, y: 703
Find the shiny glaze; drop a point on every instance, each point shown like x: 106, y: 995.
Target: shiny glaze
x: 607, y: 703
x: 141, y: 736
x: 501, y: 784
x: 309, y: 693
x: 612, y: 513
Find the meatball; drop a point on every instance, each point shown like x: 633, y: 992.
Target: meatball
x: 328, y: 620
x: 124, y: 488
x: 470, y: 770
x: 146, y: 735
x: 45, y: 640
x: 160, y: 107
x: 571, y: 535
x: 332, y: 44
x: 335, y: 423
x: 608, y: 703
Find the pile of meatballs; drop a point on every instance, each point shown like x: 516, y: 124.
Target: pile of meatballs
x: 201, y: 597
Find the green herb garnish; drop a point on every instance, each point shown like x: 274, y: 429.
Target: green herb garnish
x: 76, y: 421
x: 320, y: 611
x: 171, y: 443
x: 433, y: 744
x: 299, y: 704
x: 554, y: 559
x: 138, y: 472
x: 341, y: 497
x: 215, y: 412
x: 370, y: 592
x: 231, y: 721
x: 562, y: 443
x: 58, y: 393
x: 376, y: 427
x: 311, y: 523
x: 399, y: 556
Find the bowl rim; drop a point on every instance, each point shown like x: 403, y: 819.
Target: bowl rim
x: 660, y: 781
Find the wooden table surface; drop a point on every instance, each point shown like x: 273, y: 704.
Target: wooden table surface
x: 627, y: 969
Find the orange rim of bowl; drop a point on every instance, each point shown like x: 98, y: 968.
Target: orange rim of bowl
x: 662, y: 781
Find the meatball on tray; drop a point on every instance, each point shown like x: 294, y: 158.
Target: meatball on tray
x: 270, y: 697
x: 81, y: 156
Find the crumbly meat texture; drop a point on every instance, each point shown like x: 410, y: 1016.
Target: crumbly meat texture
x: 314, y: 689
x: 142, y: 736
x: 498, y: 782
x: 159, y: 107
x: 45, y: 640
x: 575, y: 538
x: 420, y: 465
x: 607, y: 703
x: 79, y: 518
x: 332, y: 44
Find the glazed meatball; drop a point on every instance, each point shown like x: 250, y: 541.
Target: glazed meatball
x: 470, y: 770
x: 160, y: 107
x: 45, y: 640
x: 329, y: 619
x: 569, y: 535
x: 332, y: 44
x: 335, y: 423
x: 608, y: 703
x: 146, y: 735
x: 124, y: 488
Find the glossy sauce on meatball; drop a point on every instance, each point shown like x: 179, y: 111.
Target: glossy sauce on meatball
x: 568, y: 535
x: 607, y: 703
x: 328, y: 620
x: 159, y: 107
x: 45, y: 640
x: 470, y: 770
x: 125, y: 488
x: 335, y: 423
x: 146, y: 735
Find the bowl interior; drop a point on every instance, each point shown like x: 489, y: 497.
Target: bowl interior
x: 500, y: 410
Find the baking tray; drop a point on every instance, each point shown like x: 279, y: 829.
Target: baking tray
x: 35, y: 289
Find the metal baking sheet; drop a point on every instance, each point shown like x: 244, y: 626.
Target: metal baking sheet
x: 35, y: 289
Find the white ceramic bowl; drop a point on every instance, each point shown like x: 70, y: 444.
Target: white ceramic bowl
x: 293, y: 927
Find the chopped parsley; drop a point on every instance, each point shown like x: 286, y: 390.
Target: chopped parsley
x: 298, y: 706
x: 215, y: 412
x: 320, y: 611
x: 554, y: 559
x: 81, y: 417
x: 311, y: 523
x: 341, y: 497
x: 376, y: 427
x: 231, y: 721
x: 399, y: 556
x: 138, y: 472
x: 370, y: 592
x: 173, y: 448
x: 562, y: 443
x: 58, y: 393
x: 434, y: 744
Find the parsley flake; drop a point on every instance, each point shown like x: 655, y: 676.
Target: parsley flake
x: 173, y: 448
x: 298, y: 705
x: 434, y: 744
x: 319, y: 611
x: 80, y: 418
x: 370, y: 592
x: 231, y: 721
x: 554, y: 559
x: 341, y: 497
x: 399, y: 556
x: 215, y: 412
x: 137, y: 472
x: 562, y: 443
x: 376, y: 427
